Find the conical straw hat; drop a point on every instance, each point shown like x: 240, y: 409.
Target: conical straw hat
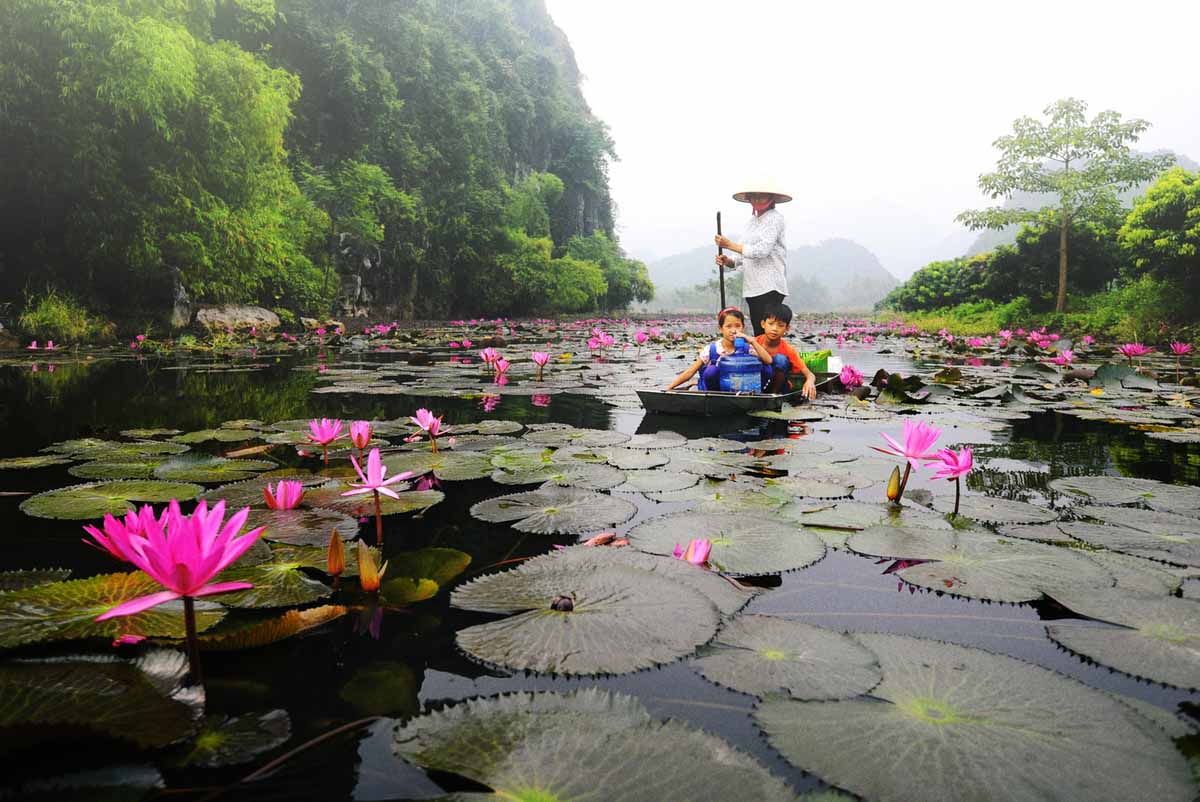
x: 762, y: 187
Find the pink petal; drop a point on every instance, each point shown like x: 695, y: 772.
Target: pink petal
x: 135, y: 606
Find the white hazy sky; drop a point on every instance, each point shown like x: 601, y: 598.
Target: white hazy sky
x: 877, y: 116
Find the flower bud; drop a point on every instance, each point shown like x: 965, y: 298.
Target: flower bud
x: 335, y: 559
x: 893, y: 486
x: 369, y: 576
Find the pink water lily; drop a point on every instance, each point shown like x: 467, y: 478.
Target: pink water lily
x: 50, y: 346
x: 954, y: 465
x: 1065, y: 357
x: 641, y: 337
x: 540, y: 358
x: 696, y: 552
x: 919, y: 437
x: 33, y: 346
x: 430, y: 424
x: 284, y: 496
x: 467, y: 343
x: 1179, y: 349
x: 1130, y: 350
x: 117, y: 532
x: 375, y: 481
x: 324, y: 432
x: 183, y: 553
x: 360, y: 435
x: 850, y: 377
x: 501, y: 365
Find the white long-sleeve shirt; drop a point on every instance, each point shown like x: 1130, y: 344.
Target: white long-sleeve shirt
x: 764, y: 255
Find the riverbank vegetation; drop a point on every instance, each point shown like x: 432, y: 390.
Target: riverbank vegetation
x: 423, y: 159
x: 1135, y: 272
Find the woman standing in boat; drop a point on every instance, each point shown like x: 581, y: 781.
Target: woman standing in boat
x: 762, y: 253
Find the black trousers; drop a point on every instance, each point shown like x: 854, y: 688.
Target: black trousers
x: 757, y: 307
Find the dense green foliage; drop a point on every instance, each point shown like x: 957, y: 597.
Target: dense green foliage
x: 1162, y: 234
x: 1082, y: 165
x: 414, y: 155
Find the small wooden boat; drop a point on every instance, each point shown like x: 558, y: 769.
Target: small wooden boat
x: 713, y: 403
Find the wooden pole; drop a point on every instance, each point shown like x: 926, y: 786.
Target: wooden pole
x: 721, y: 268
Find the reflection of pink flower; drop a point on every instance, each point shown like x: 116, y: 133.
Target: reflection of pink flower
x: 540, y: 400
x: 490, y: 402
x: 33, y: 346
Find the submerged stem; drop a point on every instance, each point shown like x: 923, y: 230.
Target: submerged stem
x: 193, y: 644
x: 378, y: 521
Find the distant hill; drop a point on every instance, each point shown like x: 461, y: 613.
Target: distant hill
x: 991, y: 239
x: 836, y: 274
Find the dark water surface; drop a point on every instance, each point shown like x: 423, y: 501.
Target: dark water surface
x: 309, y: 676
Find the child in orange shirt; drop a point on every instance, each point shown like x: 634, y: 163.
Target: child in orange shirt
x: 784, y: 359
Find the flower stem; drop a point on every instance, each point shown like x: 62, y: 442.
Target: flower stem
x: 193, y: 645
x: 957, y: 492
x: 433, y: 443
x: 903, y: 483
x: 378, y: 521
x: 325, y: 454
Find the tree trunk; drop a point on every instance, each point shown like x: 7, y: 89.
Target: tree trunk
x: 1061, y: 303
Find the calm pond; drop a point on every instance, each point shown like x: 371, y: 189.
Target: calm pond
x: 795, y: 506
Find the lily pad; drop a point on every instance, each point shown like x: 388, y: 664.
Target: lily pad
x: 449, y: 466
x: 20, y: 580
x: 793, y: 413
x: 1178, y: 549
x: 550, y: 746
x: 249, y: 493
x: 1158, y: 638
x: 280, y: 583
x: 724, y: 497
x: 630, y: 459
x: 1012, y: 731
x: 576, y: 437
x: 1163, y: 524
x: 518, y: 460
x: 252, y: 634
x: 741, y: 544
x: 220, y: 435
x: 992, y: 510
x: 1137, y: 575
x: 981, y: 565
x: 329, y: 496
x: 142, y: 468
x: 232, y: 741
x: 93, y: 500
x: 852, y: 516
x: 556, y: 510
x: 1106, y: 489
x: 207, y: 468
x: 42, y: 698
x: 67, y: 611
x: 656, y: 481
x: 586, y: 475
x: 613, y: 625
x: 760, y: 654
x: 440, y: 565
x: 711, y: 463
x: 29, y: 463
x: 656, y: 440
x: 303, y: 527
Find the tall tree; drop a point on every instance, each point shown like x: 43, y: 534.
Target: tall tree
x: 1162, y: 233
x: 1080, y: 165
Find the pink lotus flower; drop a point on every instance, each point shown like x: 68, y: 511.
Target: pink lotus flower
x: 284, y: 496
x: 181, y: 552
x: 919, y: 437
x: 117, y: 532
x: 1087, y: 339
x: 850, y: 377
x: 455, y: 344
x: 321, y: 332
x: 467, y: 343
x: 360, y: 434
x: 1065, y: 357
x: 33, y: 346
x: 489, y: 355
x: 324, y: 432
x: 696, y: 552
x: 953, y: 465
x: 1004, y: 334
x: 375, y: 481
x: 540, y: 358
x: 1134, y: 349
x: 50, y: 346
x: 430, y: 424
x: 501, y: 365
x: 641, y: 337
x: 1179, y: 349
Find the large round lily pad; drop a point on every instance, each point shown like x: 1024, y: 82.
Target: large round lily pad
x: 614, y: 624
x: 724, y: 497
x: 992, y: 510
x: 207, y: 468
x: 249, y: 493
x: 303, y: 527
x: 548, y: 746
x: 329, y: 496
x: 556, y: 510
x: 1163, y: 524
x: 630, y: 459
x: 35, y: 461
x: 975, y: 726
x: 139, y: 468
x: 280, y: 583
x: 711, y: 463
x: 741, y: 544
x: 656, y: 481
x: 234, y: 740
x: 67, y: 611
x: 585, y: 475
x: 93, y: 500
x: 19, y: 580
x: 1179, y: 549
x: 1107, y: 489
x: 1158, y: 638
x: 979, y: 564
x: 571, y: 436
x: 759, y: 654
x: 449, y: 466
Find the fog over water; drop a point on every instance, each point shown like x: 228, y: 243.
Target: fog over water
x: 878, y: 117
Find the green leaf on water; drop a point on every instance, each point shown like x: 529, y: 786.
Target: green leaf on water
x: 93, y: 500
x: 980, y: 726
x: 742, y: 544
x: 555, y: 510
x: 232, y: 741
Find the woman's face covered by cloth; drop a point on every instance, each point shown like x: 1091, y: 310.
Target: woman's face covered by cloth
x: 760, y: 203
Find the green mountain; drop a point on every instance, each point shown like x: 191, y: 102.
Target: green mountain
x: 835, y: 274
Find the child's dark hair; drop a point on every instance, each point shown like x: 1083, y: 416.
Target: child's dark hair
x: 730, y: 310
x: 781, y: 312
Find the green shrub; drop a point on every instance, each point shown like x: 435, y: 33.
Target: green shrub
x: 60, y: 316
x: 287, y: 318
